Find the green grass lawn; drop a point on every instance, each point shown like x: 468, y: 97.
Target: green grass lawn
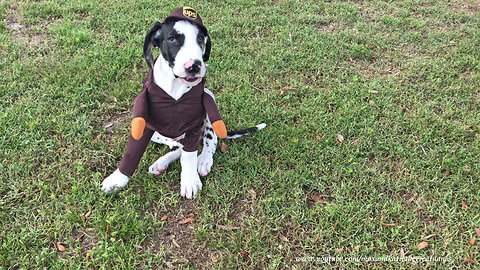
x: 372, y: 142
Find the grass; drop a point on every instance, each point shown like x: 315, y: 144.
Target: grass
x: 399, y: 80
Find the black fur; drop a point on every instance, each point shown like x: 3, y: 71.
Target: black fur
x: 165, y: 37
x: 241, y: 132
x: 151, y: 39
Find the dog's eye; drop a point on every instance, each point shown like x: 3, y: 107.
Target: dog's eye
x: 200, y: 39
x: 172, y: 40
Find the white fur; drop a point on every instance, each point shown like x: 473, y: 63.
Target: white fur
x: 115, y: 181
x: 205, y: 162
x: 190, y: 182
x: 205, y: 159
x: 190, y: 49
x: 163, y: 77
x: 159, y: 138
x: 161, y: 165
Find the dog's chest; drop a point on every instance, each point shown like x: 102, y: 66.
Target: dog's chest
x: 173, y: 117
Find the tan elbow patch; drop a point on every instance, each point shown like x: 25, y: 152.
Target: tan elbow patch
x: 138, y: 126
x: 219, y: 128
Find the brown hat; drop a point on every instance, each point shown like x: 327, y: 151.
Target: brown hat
x: 188, y: 14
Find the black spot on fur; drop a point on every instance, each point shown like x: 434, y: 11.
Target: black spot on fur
x: 174, y: 148
x: 209, y: 136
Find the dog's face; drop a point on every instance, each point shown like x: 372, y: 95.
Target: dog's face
x: 183, y: 45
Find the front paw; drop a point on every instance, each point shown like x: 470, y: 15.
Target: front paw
x: 160, y: 166
x: 205, y: 162
x: 115, y: 181
x: 190, y: 184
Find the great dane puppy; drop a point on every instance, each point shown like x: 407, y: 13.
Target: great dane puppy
x: 179, y: 70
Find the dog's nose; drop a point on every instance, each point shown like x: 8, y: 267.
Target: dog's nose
x: 193, y: 66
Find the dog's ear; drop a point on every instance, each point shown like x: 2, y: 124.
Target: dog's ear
x: 208, y: 48
x: 151, y: 39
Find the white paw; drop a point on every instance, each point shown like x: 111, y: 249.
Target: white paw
x: 190, y: 184
x: 159, y: 166
x: 204, y: 164
x: 115, y: 181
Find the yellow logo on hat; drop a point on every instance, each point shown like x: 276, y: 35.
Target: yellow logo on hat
x: 189, y: 12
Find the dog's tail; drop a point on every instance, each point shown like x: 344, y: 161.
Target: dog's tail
x: 242, y: 132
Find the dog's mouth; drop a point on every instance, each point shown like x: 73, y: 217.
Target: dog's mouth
x: 189, y: 79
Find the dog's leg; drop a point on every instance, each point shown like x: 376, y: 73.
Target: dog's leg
x: 161, y: 165
x: 190, y: 182
x: 159, y: 138
x: 210, y: 140
x: 134, y: 152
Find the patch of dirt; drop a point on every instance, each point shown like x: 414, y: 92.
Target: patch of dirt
x: 424, y: 216
x: 410, y: 197
x: 179, y: 241
x: 467, y: 6
x: 108, y: 125
x: 85, y: 239
x: 382, y: 65
x: 332, y: 27
x: 239, y: 211
x: 20, y: 32
x: 317, y: 197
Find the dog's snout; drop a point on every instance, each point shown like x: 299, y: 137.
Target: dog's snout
x: 193, y: 66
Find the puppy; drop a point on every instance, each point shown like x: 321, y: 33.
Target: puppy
x: 174, y: 104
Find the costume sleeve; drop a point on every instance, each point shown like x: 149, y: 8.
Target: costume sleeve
x: 213, y: 114
x: 140, y: 112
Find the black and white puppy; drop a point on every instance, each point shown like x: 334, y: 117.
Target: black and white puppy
x: 184, y: 49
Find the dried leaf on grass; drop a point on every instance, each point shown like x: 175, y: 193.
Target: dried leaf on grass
x: 429, y: 236
x: 387, y: 224
x: 164, y: 218
x: 402, y: 253
x: 289, y: 88
x: 283, y: 238
x: 61, y: 247
x: 422, y: 245
x: 223, y: 147
x: 187, y: 220
x: 317, y: 198
x: 335, y: 225
x: 175, y: 243
x: 244, y: 254
x: 340, y: 138
x: 472, y: 241
x: 477, y: 230
x: 87, y: 215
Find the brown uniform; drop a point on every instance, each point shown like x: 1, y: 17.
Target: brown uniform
x: 169, y: 117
